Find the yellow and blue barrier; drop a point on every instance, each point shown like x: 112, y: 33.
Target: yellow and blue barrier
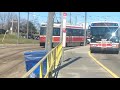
x: 52, y: 58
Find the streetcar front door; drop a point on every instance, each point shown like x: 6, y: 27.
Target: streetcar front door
x: 69, y: 37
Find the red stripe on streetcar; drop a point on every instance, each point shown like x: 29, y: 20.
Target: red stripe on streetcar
x: 56, y: 39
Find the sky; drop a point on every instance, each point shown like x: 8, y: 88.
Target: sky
x: 75, y: 16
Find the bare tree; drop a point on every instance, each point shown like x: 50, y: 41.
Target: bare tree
x: 3, y: 17
x: 10, y: 16
x: 6, y: 18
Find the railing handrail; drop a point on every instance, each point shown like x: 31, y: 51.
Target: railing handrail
x: 42, y: 60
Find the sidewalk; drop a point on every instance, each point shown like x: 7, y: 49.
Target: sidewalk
x: 78, y: 64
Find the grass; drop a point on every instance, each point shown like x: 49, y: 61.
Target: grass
x: 12, y: 39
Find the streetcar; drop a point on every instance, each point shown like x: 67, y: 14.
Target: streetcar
x: 74, y: 35
x: 105, y: 37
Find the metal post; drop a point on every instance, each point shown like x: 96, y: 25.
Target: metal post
x: 27, y: 24
x: 85, y: 29
x: 49, y: 31
x: 61, y: 32
x: 64, y: 15
x: 61, y: 36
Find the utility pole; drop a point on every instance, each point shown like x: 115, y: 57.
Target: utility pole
x: 34, y: 25
x: 49, y: 31
x: 18, y: 25
x: 76, y: 20
x: 11, y: 26
x: 70, y: 17
x: 85, y: 29
x: 27, y: 24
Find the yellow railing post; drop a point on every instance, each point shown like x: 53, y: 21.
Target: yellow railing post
x: 54, y: 54
x: 41, y: 70
x: 59, y: 53
x: 56, y: 58
x: 48, y: 64
x: 52, y: 65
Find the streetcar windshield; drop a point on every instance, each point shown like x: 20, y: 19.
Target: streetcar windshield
x: 56, y: 31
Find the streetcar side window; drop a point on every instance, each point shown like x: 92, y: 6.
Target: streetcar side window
x: 82, y: 32
x: 78, y: 32
x: 69, y: 32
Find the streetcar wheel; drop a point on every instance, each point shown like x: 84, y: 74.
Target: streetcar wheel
x: 117, y: 52
x: 66, y: 45
x: 81, y: 44
x: 91, y: 51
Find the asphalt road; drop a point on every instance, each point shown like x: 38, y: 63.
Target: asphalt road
x: 111, y: 61
x: 12, y: 63
x: 78, y: 64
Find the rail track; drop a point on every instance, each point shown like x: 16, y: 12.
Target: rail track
x: 13, y: 59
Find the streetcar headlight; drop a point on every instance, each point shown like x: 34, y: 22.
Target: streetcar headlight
x: 113, y: 34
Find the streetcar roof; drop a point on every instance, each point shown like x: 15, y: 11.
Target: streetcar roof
x: 59, y: 25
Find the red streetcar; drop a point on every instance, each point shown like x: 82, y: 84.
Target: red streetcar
x: 74, y: 35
